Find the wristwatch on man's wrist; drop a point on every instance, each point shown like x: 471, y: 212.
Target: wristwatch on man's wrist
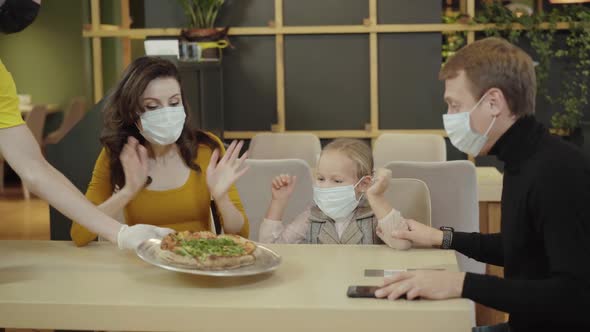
x: 447, y: 237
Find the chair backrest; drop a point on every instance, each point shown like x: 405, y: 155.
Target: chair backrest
x: 255, y: 189
x: 302, y: 146
x: 36, y: 121
x: 412, y: 198
x: 453, y: 193
x: 409, y: 147
x: 75, y: 113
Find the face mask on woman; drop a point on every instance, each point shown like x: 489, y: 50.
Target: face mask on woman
x: 163, y: 126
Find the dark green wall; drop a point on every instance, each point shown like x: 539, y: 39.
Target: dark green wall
x: 327, y: 83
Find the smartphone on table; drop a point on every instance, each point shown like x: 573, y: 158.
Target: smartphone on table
x: 362, y: 291
x: 365, y: 292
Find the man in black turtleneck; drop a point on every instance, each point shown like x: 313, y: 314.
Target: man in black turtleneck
x: 544, y: 245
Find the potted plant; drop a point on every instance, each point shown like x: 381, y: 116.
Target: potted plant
x: 453, y: 40
x: 572, y: 97
x: 202, y: 41
x: 567, y: 123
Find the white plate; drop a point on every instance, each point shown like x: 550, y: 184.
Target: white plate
x: 266, y: 261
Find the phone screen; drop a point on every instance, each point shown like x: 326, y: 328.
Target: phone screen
x: 362, y: 291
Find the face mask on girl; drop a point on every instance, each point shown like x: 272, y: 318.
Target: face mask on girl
x: 337, y: 202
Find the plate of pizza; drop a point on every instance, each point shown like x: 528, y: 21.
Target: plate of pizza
x: 206, y: 253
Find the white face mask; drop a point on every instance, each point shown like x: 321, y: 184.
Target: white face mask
x: 336, y: 202
x: 458, y: 128
x: 163, y: 126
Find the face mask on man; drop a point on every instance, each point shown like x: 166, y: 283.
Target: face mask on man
x: 16, y: 15
x: 462, y: 136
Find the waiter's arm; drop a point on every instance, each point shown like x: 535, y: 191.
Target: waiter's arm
x: 20, y: 149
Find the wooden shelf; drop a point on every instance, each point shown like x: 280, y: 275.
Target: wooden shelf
x: 331, y: 134
x: 96, y: 30
x: 308, y: 30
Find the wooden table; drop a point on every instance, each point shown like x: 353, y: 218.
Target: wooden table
x: 490, y: 215
x: 49, y: 285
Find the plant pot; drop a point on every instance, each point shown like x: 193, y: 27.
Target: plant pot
x: 203, y: 44
x: 575, y: 136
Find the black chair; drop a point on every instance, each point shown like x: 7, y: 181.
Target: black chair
x: 75, y: 156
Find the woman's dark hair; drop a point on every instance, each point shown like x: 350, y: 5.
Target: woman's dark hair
x: 123, y: 110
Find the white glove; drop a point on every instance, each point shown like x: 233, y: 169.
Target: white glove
x: 394, y: 221
x: 132, y: 237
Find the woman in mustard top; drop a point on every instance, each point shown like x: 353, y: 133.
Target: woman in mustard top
x: 154, y: 167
